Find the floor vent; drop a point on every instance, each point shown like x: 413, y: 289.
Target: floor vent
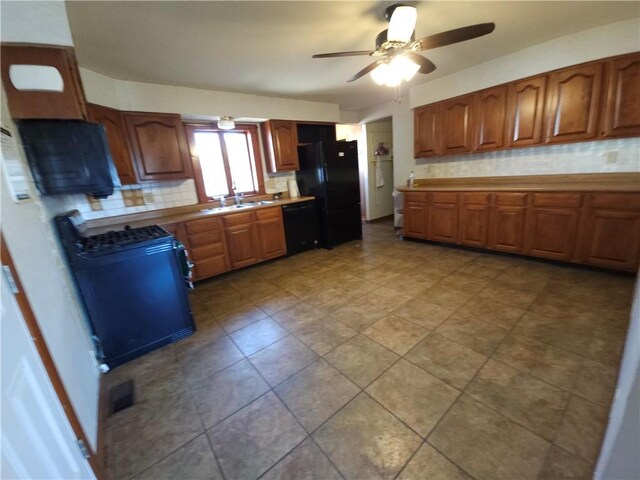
x: 121, y: 397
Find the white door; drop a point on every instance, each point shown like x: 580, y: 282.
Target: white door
x: 36, y: 438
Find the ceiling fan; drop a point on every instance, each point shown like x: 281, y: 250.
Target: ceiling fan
x: 398, y: 49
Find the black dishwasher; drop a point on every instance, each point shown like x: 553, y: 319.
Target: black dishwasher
x: 300, y: 226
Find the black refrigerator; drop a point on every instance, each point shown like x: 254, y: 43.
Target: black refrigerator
x: 329, y: 172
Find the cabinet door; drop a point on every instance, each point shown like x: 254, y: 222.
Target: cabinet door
x: 415, y: 219
x: 424, y: 135
x: 573, y: 102
x: 67, y: 104
x: 443, y: 217
x: 489, y: 113
x: 611, y: 238
x: 455, y: 125
x: 474, y: 219
x: 281, y: 144
x: 159, y: 146
x: 112, y: 122
x: 507, y: 222
x: 271, y: 237
x: 622, y: 111
x: 242, y: 243
x: 551, y: 232
x: 525, y: 106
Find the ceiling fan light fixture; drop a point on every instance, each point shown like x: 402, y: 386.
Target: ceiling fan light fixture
x: 402, y: 24
x: 404, y: 67
x: 394, y: 72
x: 226, y: 123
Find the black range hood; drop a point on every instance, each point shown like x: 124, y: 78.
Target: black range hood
x: 68, y: 156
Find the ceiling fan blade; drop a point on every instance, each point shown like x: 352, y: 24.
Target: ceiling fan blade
x: 426, y: 65
x: 456, y: 35
x: 364, y: 71
x: 342, y: 54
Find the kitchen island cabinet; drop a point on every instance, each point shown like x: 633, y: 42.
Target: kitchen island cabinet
x: 570, y: 224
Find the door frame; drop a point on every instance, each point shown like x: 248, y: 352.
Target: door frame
x: 95, y: 458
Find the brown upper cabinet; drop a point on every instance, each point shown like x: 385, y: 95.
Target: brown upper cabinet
x: 573, y: 103
x: 595, y: 100
x: 622, y: 114
x: 158, y: 145
x: 525, y: 108
x: 32, y: 102
x: 455, y: 122
x: 489, y: 113
x: 425, y: 135
x: 281, y: 145
x: 112, y: 122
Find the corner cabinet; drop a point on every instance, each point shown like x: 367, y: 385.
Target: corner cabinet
x: 112, y: 122
x: 158, y: 145
x: 280, y: 138
x: 573, y: 103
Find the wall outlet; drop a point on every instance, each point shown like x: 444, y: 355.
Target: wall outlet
x: 610, y: 157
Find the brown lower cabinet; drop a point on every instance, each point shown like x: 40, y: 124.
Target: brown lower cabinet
x: 222, y: 243
x: 593, y: 228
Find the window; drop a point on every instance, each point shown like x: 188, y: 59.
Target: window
x: 225, y: 161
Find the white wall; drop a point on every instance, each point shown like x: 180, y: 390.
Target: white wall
x: 619, y: 455
x: 30, y: 237
x: 35, y: 22
x: 194, y: 102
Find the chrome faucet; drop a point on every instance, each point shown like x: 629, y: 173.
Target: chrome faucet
x: 237, y: 196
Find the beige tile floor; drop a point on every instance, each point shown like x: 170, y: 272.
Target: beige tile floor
x: 381, y: 359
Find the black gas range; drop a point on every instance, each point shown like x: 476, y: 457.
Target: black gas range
x: 133, y: 283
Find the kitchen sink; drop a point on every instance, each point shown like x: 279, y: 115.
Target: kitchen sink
x: 228, y: 208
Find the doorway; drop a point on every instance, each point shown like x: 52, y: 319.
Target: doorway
x: 379, y: 171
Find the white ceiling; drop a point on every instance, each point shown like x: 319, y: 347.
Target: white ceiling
x: 265, y: 47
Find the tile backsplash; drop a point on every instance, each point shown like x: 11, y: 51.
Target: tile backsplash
x: 131, y: 199
x: 606, y: 156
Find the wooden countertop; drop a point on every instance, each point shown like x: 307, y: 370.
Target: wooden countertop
x: 173, y: 215
x: 587, y: 182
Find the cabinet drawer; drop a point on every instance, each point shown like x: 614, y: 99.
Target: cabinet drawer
x: 211, y: 266
x: 205, y: 238
x: 621, y: 200
x: 480, y: 198
x: 557, y: 199
x: 415, y: 197
x: 206, y: 251
x: 444, y: 197
x: 196, y: 226
x: 238, y: 219
x: 266, y: 213
x: 516, y: 199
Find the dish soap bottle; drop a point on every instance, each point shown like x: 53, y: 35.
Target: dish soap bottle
x: 411, y: 179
